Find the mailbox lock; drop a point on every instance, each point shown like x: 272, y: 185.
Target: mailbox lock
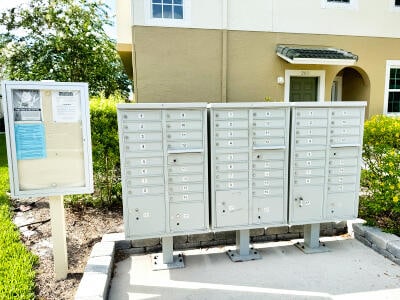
x: 258, y: 156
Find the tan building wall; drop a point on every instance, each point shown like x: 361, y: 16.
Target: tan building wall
x: 178, y: 64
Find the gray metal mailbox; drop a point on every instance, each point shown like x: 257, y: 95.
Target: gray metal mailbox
x: 164, y: 169
x: 326, y: 141
x: 249, y: 164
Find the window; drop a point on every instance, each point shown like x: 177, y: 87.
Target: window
x: 167, y: 9
x: 392, y: 88
x: 396, y: 2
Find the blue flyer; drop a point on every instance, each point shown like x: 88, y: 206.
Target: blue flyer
x: 30, y: 141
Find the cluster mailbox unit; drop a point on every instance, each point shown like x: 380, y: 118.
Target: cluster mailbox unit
x: 164, y: 169
x: 271, y: 164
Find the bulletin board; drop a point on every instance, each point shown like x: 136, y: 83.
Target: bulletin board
x: 48, y: 138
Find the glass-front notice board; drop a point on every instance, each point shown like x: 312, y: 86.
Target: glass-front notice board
x: 48, y: 138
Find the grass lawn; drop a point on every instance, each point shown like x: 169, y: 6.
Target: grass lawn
x: 17, y: 277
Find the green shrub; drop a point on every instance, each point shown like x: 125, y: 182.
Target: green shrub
x: 17, y: 278
x: 380, y: 206
x: 105, y: 149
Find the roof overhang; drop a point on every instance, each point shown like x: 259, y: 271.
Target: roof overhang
x: 314, y: 55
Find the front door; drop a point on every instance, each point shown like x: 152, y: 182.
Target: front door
x: 303, y: 89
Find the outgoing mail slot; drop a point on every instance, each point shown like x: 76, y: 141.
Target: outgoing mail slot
x: 344, y: 152
x: 141, y: 126
x: 184, y: 114
x: 185, y: 158
x: 141, y: 115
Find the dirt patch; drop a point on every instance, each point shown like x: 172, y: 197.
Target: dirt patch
x: 85, y: 227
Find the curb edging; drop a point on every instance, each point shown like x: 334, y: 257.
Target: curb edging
x: 386, y: 244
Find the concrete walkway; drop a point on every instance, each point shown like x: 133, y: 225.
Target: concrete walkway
x: 350, y: 271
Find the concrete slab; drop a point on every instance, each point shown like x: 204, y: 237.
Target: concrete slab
x: 350, y: 271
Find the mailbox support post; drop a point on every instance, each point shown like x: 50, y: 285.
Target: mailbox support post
x: 311, y: 240
x: 243, y: 251
x: 167, y: 259
x: 58, y: 233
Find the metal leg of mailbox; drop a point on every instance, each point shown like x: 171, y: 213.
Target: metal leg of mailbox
x: 243, y: 251
x: 167, y: 260
x: 311, y: 240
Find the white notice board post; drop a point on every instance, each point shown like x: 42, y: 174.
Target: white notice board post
x: 49, y: 151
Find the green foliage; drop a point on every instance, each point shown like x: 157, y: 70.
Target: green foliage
x: 61, y: 40
x: 16, y: 263
x: 381, y: 175
x: 105, y: 149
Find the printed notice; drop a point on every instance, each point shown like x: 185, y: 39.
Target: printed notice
x: 27, y: 105
x: 66, y: 106
x: 30, y: 141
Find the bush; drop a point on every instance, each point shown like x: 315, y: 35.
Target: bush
x: 105, y: 149
x: 17, y: 278
x: 380, y: 206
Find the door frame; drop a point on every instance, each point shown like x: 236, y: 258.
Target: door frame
x: 306, y: 73
x: 339, y: 84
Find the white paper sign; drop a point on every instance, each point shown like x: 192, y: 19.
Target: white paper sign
x: 66, y: 106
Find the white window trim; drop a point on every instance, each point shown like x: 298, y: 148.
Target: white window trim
x: 389, y: 64
x: 306, y: 73
x: 393, y: 7
x: 339, y: 82
x: 353, y: 5
x: 149, y: 20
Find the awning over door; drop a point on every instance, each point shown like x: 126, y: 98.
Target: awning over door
x: 309, y: 55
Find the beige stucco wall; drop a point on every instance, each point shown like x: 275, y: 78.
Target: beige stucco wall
x: 174, y: 65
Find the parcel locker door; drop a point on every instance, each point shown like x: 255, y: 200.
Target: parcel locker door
x: 186, y: 217
x: 146, y: 215
x: 269, y: 210
x: 307, y: 203
x: 232, y: 208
